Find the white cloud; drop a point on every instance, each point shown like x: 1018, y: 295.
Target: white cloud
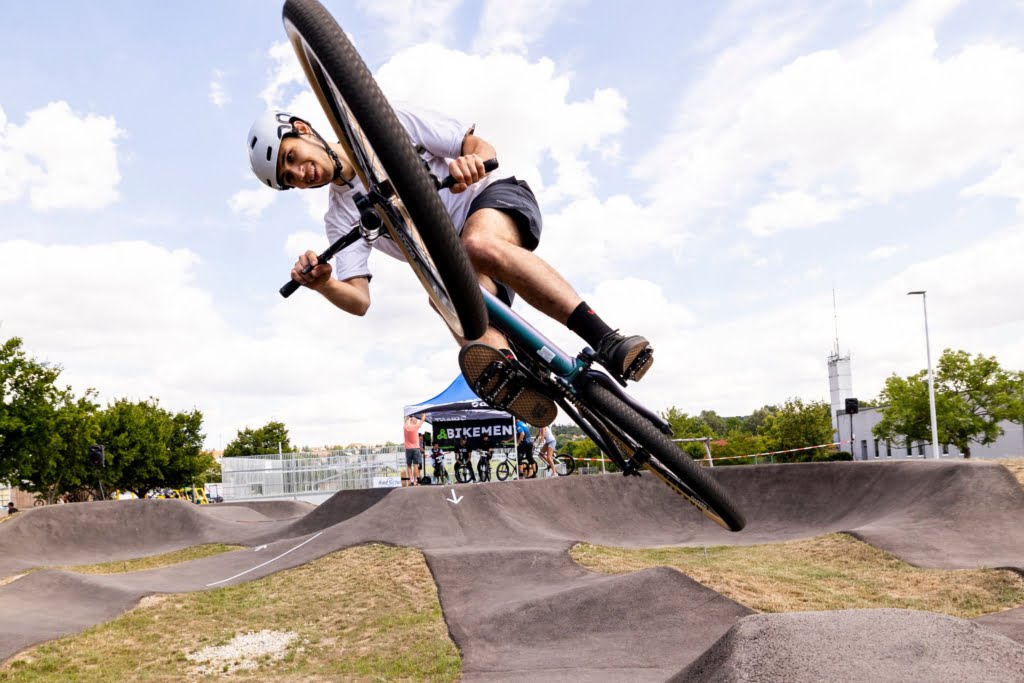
x: 512, y: 26
x: 1006, y: 181
x: 790, y: 210
x: 886, y: 115
x: 885, y: 251
x: 285, y: 74
x: 218, y: 97
x: 62, y: 159
x: 405, y: 22
x: 736, y: 365
x: 521, y: 107
x: 252, y: 202
x: 135, y: 323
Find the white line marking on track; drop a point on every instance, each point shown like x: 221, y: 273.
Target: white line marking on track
x: 265, y: 563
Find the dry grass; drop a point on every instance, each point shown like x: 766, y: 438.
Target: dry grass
x: 826, y: 573
x: 154, y: 562
x: 363, y: 614
x: 1015, y: 465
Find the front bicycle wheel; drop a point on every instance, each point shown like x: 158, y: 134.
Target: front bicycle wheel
x: 667, y: 461
x: 463, y: 474
x: 385, y: 160
x: 503, y: 471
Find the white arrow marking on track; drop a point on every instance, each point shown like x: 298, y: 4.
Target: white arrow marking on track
x: 454, y: 499
x: 256, y: 550
x: 265, y: 563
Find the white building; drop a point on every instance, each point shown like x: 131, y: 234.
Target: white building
x: 865, y: 446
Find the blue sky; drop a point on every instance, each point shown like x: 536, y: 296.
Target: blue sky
x: 709, y: 172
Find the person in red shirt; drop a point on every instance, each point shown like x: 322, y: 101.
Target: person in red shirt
x: 413, y: 454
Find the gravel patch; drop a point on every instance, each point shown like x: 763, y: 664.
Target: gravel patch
x: 243, y: 652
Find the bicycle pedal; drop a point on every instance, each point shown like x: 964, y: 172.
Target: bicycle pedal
x: 640, y: 365
x: 503, y: 385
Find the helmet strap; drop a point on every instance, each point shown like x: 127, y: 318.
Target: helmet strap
x: 338, y: 168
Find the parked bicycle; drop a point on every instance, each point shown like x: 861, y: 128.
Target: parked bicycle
x: 440, y: 472
x: 483, y: 465
x: 514, y: 463
x: 401, y: 200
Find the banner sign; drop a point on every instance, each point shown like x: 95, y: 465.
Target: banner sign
x: 448, y: 433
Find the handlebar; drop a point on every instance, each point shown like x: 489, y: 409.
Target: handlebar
x: 292, y: 286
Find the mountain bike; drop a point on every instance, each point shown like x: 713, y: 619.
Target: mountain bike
x: 400, y: 202
x: 440, y: 473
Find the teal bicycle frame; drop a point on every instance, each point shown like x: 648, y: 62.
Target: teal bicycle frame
x: 529, y: 339
x: 570, y: 372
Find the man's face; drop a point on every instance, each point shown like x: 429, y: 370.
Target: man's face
x: 302, y: 162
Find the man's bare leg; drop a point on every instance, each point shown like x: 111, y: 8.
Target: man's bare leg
x: 494, y: 245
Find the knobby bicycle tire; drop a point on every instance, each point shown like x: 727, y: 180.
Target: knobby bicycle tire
x: 346, y: 70
x: 668, y: 462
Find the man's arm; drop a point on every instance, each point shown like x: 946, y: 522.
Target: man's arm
x: 469, y: 167
x: 351, y: 296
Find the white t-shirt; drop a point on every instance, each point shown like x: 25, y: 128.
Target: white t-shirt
x: 441, y: 137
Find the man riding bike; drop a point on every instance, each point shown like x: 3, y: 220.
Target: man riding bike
x: 499, y: 223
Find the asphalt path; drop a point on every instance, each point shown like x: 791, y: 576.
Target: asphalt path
x: 520, y: 609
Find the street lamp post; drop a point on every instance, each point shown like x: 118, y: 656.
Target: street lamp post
x: 931, y: 382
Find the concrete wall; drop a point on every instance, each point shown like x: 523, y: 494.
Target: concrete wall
x: 865, y: 447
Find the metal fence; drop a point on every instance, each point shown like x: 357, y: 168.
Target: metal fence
x: 286, y: 474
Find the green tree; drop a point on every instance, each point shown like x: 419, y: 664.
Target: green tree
x: 261, y: 441
x: 148, y: 447
x: 906, y: 417
x: 685, y: 426
x: 715, y: 423
x: 738, y: 443
x: 29, y: 397
x: 977, y: 395
x: 1015, y: 404
x: 63, y: 468
x: 972, y: 396
x: 758, y: 417
x: 798, y: 425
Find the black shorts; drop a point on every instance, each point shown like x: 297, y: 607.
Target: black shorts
x: 515, y: 198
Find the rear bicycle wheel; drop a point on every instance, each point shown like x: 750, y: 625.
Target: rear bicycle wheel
x: 384, y: 159
x: 564, y: 465
x: 667, y: 461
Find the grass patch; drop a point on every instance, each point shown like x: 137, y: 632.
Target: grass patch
x: 366, y: 613
x: 156, y: 561
x: 826, y: 573
x: 1015, y: 465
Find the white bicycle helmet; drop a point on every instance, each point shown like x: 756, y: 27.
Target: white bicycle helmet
x: 264, y: 143
x: 265, y: 138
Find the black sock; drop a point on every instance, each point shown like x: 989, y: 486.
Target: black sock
x: 588, y: 325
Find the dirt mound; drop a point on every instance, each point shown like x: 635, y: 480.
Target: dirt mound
x: 862, y: 645
x: 88, y: 533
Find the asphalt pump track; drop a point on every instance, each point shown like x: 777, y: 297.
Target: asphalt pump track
x: 520, y: 609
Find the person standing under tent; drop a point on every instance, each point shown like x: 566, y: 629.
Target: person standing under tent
x: 413, y: 453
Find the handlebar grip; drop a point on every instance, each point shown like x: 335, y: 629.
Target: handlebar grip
x: 449, y: 182
x: 289, y: 288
